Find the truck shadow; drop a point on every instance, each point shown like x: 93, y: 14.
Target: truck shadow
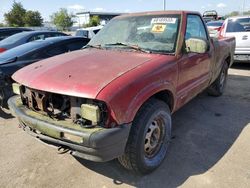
x: 204, y: 130
x: 241, y: 66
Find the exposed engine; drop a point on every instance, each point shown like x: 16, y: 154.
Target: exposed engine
x: 60, y: 107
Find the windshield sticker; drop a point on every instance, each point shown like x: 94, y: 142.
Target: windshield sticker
x: 164, y: 20
x: 158, y: 28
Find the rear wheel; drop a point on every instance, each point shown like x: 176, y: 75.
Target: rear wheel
x: 218, y: 87
x: 149, y: 138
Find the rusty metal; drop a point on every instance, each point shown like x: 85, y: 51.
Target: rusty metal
x: 40, y: 99
x: 35, y: 100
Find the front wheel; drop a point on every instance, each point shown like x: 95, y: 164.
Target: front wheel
x: 149, y: 138
x: 218, y: 87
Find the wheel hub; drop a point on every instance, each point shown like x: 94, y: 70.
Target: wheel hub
x: 153, y: 138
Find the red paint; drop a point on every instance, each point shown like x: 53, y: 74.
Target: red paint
x: 2, y: 50
x: 125, y: 80
x: 222, y: 31
x: 82, y: 73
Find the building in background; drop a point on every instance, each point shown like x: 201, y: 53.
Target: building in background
x: 83, y: 18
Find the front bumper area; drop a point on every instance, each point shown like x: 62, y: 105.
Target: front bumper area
x: 97, y: 144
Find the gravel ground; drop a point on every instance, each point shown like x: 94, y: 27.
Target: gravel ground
x: 211, y: 148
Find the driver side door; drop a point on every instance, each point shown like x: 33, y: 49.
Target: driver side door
x: 194, y: 67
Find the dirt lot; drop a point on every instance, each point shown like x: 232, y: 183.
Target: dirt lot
x: 211, y: 148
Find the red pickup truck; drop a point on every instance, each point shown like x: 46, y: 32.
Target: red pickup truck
x: 114, y: 99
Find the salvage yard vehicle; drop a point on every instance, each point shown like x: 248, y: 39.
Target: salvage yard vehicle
x: 114, y: 99
x: 238, y: 27
x: 89, y: 32
x: 25, y: 37
x: 8, y: 31
x: 210, y: 15
x: 26, y: 54
x: 214, y: 27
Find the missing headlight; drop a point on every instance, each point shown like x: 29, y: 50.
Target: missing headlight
x: 91, y: 112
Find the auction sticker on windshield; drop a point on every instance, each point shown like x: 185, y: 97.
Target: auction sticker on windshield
x: 158, y: 28
x: 164, y: 20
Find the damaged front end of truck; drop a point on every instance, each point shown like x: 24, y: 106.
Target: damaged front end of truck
x: 81, y: 126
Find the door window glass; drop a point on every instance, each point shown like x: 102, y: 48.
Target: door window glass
x: 37, y: 37
x: 195, y: 28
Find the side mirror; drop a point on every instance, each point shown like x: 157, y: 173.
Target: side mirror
x: 195, y: 45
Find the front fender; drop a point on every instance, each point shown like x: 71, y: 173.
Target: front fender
x: 147, y: 93
x: 125, y: 95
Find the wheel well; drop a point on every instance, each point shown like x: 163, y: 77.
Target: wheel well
x: 165, y: 96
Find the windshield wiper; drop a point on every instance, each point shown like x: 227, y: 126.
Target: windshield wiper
x: 135, y: 47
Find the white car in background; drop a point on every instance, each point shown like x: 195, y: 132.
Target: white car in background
x: 88, y: 32
x: 214, y: 27
x: 238, y: 27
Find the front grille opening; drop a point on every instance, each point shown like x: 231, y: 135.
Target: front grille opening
x: 60, y: 107
x: 54, y: 105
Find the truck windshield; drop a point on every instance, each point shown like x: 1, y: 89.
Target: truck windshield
x: 148, y: 33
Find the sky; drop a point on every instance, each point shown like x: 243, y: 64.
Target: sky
x: 47, y: 7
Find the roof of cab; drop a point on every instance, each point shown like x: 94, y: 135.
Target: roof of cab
x: 182, y: 12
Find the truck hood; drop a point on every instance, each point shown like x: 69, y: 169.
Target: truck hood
x: 82, y: 73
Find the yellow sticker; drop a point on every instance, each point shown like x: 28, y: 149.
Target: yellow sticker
x: 158, y: 28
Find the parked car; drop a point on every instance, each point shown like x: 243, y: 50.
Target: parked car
x: 115, y: 98
x: 208, y: 19
x: 31, y: 52
x: 25, y: 37
x: 89, y: 32
x: 214, y: 27
x: 210, y: 15
x: 8, y: 31
x: 238, y: 27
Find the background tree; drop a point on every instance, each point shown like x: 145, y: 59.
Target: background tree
x: 33, y: 18
x: 94, y: 21
x: 62, y: 19
x: 15, y: 17
x: 247, y: 13
x: 1, y: 25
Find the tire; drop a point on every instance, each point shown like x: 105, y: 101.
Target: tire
x: 218, y: 87
x: 149, y: 138
x: 3, y: 102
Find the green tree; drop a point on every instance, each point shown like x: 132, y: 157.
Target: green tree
x: 234, y: 13
x: 247, y: 13
x: 62, y: 19
x: 94, y: 21
x: 1, y: 25
x: 33, y: 18
x: 15, y: 17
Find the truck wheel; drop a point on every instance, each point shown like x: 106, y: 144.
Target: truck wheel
x: 217, y: 88
x: 149, y: 138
